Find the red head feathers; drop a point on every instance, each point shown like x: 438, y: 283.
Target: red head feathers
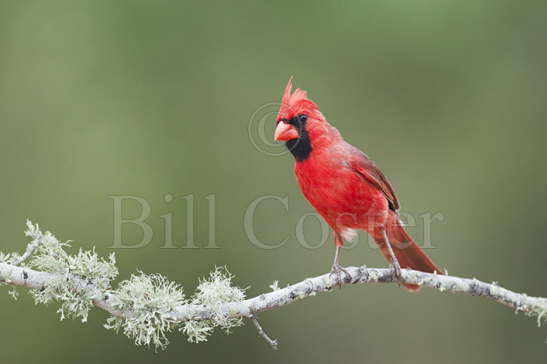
x: 295, y: 103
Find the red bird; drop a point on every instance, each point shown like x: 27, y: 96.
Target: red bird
x: 345, y: 186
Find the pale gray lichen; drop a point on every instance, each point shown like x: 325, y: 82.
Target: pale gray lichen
x: 150, y: 299
x: 541, y: 316
x: 13, y: 293
x: 214, y: 291
x: 147, y: 301
x: 275, y: 285
x: 8, y: 258
x: 146, y: 307
x: 197, y: 331
x: 74, y: 274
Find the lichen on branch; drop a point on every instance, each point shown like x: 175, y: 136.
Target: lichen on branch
x: 148, y: 307
x: 144, y: 303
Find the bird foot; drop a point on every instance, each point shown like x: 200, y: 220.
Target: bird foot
x: 396, y: 270
x: 337, y: 270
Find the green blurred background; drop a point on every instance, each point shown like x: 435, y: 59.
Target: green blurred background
x: 148, y: 98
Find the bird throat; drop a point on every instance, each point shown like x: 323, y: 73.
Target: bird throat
x: 301, y: 146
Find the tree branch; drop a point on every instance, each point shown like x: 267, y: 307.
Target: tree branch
x: 537, y: 306
x: 261, y: 332
x: 147, y: 307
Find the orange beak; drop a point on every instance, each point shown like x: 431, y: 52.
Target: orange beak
x: 284, y: 132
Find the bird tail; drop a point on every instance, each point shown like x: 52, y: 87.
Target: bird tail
x: 408, y: 253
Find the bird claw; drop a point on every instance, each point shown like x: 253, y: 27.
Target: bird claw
x: 396, y: 271
x: 337, y: 270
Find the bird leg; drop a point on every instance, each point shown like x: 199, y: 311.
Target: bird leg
x: 337, y: 269
x: 395, y: 266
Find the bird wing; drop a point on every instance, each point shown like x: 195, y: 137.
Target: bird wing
x: 366, y: 168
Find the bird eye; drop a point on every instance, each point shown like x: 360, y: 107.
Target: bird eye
x: 302, y: 117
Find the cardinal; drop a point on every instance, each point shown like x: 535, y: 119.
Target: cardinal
x: 345, y: 187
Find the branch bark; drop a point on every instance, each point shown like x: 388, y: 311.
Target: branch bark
x: 21, y: 276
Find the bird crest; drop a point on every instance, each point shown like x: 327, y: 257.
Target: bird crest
x: 294, y: 103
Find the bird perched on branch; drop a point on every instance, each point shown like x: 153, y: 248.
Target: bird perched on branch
x: 345, y: 187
